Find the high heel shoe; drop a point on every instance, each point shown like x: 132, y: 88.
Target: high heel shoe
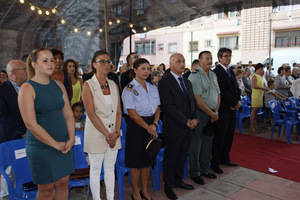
x: 132, y: 197
x: 143, y: 196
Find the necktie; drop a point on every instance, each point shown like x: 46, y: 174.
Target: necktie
x: 228, y: 72
x: 183, y: 87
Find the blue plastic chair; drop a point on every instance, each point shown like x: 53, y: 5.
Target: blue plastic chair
x: 120, y: 163
x: 246, y: 111
x: 13, y: 154
x: 291, y: 119
x: 278, y: 116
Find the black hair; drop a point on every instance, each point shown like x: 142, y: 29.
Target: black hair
x: 203, y: 52
x: 139, y: 62
x: 195, y: 62
x: 4, y: 72
x: 57, y: 52
x: 287, y: 69
x: 128, y: 57
x: 280, y: 69
x: 222, y: 51
x: 270, y: 82
x: 258, y: 66
x: 78, y: 104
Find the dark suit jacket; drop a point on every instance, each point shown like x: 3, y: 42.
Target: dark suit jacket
x: 126, y: 78
x: 230, y: 92
x: 10, y: 118
x: 176, y: 108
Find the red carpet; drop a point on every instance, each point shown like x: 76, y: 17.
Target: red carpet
x: 260, y: 154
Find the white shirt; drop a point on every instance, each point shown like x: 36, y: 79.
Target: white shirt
x: 295, y: 89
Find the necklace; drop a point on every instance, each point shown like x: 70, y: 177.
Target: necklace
x: 103, y: 87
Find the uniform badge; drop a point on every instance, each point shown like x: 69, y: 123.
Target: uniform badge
x: 135, y: 93
x: 129, y: 87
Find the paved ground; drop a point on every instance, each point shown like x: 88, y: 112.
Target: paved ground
x: 237, y: 183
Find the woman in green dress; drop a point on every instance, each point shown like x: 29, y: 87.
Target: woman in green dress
x: 47, y: 114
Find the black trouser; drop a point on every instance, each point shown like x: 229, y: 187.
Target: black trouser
x: 174, y: 158
x: 224, y: 136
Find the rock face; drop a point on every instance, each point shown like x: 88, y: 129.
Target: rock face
x: 22, y: 30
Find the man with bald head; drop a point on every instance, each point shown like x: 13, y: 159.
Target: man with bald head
x: 12, y: 125
x: 179, y: 121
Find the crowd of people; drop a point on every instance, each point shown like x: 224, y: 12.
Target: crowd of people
x: 44, y: 100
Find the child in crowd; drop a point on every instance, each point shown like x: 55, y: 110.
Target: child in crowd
x: 271, y: 94
x: 78, y: 113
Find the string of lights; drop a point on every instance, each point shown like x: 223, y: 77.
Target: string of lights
x: 54, y: 11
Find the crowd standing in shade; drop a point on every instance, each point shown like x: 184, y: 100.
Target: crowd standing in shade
x: 197, y: 108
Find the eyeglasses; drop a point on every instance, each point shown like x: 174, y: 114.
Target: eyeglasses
x: 103, y: 61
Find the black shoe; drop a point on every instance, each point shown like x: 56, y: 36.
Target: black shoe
x: 143, y: 196
x: 209, y: 175
x: 231, y: 164
x: 198, y: 180
x: 170, y: 194
x: 132, y: 197
x: 217, y: 169
x: 184, y: 185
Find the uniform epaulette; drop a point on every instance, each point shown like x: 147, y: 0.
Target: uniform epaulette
x: 129, y: 87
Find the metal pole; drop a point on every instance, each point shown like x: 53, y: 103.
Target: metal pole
x: 270, y: 40
x: 191, y: 46
x: 105, y: 21
x: 130, y: 21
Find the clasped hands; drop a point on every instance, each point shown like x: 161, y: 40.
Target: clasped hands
x: 151, y: 129
x: 192, y: 123
x: 64, y: 147
x: 111, y: 139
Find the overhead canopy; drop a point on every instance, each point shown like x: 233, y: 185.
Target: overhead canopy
x: 23, y: 29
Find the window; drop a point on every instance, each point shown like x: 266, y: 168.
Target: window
x: 193, y: 46
x: 140, y: 7
x: 172, y: 47
x: 287, y: 39
x: 117, y: 10
x: 231, y: 42
x: 283, y: 5
x: 207, y: 44
x: 145, y: 47
x: 223, y: 13
x: 160, y: 47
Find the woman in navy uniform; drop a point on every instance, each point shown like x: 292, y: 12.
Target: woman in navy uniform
x: 141, y: 103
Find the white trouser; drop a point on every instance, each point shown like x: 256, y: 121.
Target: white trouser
x: 3, y: 183
x: 96, y: 160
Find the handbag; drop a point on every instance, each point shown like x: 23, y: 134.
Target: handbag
x: 152, y: 149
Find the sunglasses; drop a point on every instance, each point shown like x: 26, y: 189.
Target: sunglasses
x: 103, y: 61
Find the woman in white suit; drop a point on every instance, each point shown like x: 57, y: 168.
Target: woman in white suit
x: 102, y: 130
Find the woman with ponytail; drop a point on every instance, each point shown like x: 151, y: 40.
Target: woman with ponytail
x: 47, y: 114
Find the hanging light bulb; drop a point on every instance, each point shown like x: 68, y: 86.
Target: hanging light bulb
x: 53, y: 10
x: 131, y: 25
x: 62, y: 21
x: 100, y: 30
x: 76, y: 30
x: 110, y: 23
x: 22, y: 1
x: 118, y: 21
x: 40, y: 12
x: 88, y: 33
x: 32, y: 8
x: 47, y: 12
x: 145, y: 28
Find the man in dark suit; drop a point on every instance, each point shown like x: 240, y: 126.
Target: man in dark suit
x: 128, y: 76
x: 230, y: 102
x: 11, y: 124
x: 178, y: 106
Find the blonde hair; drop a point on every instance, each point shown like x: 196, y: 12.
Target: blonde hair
x: 32, y: 57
